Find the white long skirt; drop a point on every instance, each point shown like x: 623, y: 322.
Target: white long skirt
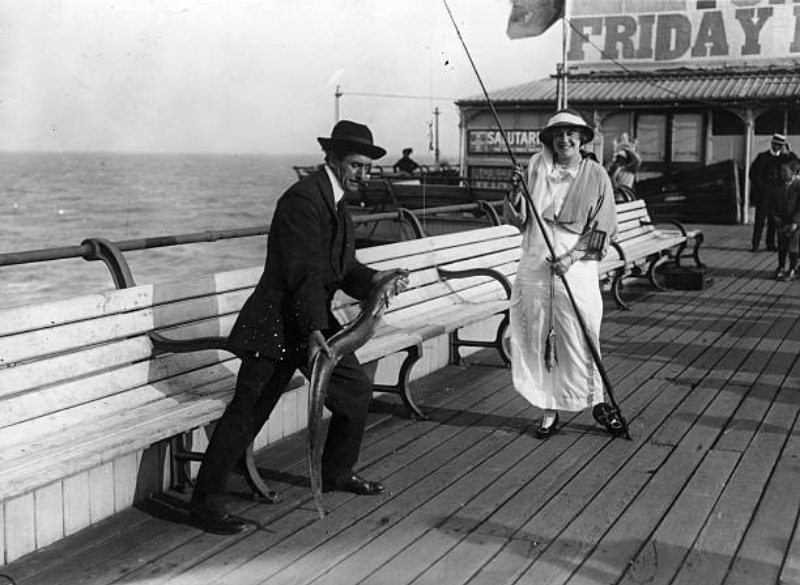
x: 574, y: 382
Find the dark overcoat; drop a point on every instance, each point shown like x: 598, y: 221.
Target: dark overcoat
x: 310, y: 254
x: 765, y: 177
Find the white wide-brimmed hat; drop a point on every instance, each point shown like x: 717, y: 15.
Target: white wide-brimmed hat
x: 568, y: 118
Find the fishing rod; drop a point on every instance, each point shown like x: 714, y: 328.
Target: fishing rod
x: 540, y: 223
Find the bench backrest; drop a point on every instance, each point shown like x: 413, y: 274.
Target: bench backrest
x: 633, y: 221
x: 496, y: 247
x: 68, y: 368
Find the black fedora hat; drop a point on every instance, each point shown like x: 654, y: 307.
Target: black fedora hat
x: 352, y: 137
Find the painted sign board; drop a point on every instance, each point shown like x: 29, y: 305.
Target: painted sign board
x: 491, y: 141
x: 668, y: 31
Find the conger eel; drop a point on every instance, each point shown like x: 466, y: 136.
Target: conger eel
x: 344, y: 342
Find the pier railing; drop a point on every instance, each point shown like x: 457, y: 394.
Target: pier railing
x: 111, y: 252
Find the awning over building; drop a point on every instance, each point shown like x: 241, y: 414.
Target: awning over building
x: 722, y: 86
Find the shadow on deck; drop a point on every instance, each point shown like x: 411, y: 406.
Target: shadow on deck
x: 706, y: 492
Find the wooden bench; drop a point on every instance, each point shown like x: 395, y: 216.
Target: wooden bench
x: 643, y: 246
x: 89, y: 411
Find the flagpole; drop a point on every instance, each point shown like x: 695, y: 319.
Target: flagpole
x: 559, y: 86
x: 564, y: 99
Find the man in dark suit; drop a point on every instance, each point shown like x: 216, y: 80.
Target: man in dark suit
x: 765, y: 184
x: 285, y: 322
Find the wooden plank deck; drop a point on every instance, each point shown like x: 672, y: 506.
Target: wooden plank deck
x: 706, y: 492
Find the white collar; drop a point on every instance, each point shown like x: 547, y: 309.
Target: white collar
x: 338, y: 190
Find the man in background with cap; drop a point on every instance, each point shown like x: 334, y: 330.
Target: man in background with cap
x: 406, y: 164
x: 765, y: 182
x: 286, y: 321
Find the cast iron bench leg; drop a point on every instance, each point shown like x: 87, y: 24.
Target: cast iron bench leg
x: 616, y: 283
x: 698, y: 240
x: 651, y: 271
x: 254, y: 479
x: 498, y: 343
x: 679, y: 253
x: 182, y: 456
x: 403, y: 388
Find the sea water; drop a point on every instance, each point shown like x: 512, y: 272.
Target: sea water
x: 50, y: 200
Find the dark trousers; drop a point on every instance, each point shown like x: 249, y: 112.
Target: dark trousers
x: 784, y: 248
x: 764, y: 216
x: 259, y: 386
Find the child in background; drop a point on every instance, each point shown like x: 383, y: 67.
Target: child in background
x: 786, y: 215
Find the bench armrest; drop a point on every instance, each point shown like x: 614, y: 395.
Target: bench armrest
x: 164, y: 343
x: 673, y: 222
x: 621, y: 252
x: 491, y: 272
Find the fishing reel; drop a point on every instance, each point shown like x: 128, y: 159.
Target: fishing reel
x: 611, y: 419
x: 592, y: 240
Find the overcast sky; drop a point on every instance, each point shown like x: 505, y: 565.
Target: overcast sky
x: 239, y: 76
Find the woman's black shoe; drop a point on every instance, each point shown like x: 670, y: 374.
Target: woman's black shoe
x: 545, y: 432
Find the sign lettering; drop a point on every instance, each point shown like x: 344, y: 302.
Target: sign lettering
x: 491, y: 141
x: 683, y: 30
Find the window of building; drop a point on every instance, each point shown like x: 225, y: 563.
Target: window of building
x: 727, y: 123
x: 687, y: 133
x: 774, y: 120
x: 770, y: 122
x: 793, y: 120
x: 651, y: 132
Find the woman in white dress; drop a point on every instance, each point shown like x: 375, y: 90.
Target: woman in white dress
x: 552, y: 365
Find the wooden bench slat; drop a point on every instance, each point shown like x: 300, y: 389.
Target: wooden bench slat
x: 113, y: 382
x: 124, y: 437
x: 400, y: 250
x: 78, y: 415
x: 34, y: 317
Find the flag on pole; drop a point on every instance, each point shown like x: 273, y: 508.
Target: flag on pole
x: 530, y: 18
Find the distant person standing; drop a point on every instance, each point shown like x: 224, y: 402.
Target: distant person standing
x: 786, y: 208
x: 406, y: 164
x: 765, y: 183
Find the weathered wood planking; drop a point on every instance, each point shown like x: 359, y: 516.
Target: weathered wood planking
x: 189, y: 545
x: 708, y: 380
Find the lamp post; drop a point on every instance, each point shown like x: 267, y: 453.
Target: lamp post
x: 337, y: 95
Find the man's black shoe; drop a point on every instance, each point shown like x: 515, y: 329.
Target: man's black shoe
x: 218, y: 521
x: 354, y: 484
